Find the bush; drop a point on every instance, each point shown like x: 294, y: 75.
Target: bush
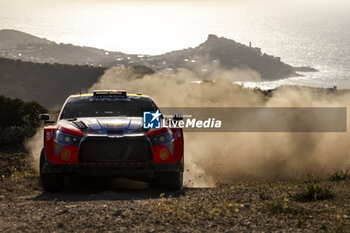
x: 340, y: 175
x: 283, y: 205
x: 279, y: 206
x: 18, y: 120
x: 314, y: 192
x: 13, y: 135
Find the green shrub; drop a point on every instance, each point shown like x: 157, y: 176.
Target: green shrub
x: 314, y: 192
x: 18, y: 120
x: 279, y: 206
x: 339, y: 175
x: 283, y: 205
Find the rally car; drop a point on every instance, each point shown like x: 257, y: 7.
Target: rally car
x: 103, y: 133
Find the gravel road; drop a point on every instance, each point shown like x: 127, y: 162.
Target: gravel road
x: 100, y: 205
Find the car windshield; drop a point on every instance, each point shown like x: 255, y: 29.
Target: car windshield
x: 90, y: 106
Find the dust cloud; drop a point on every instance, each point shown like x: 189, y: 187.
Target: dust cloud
x: 34, y: 146
x: 214, y: 158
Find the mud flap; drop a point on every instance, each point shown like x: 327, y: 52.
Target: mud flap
x: 178, y: 143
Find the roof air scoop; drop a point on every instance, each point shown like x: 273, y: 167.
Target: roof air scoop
x: 120, y: 93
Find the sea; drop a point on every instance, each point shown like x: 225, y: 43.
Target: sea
x: 312, y: 33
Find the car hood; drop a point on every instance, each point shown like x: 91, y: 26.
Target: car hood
x: 107, y: 125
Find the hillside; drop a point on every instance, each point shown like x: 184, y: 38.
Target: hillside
x: 49, y: 84
x: 212, y: 54
x: 19, y: 45
x: 45, y: 83
x: 10, y: 39
x: 228, y: 54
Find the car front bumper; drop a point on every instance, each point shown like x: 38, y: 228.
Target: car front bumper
x: 113, y: 169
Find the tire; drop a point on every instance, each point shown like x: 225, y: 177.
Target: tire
x: 169, y: 180
x: 50, y: 182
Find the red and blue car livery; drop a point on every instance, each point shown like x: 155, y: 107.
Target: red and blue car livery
x: 102, y: 133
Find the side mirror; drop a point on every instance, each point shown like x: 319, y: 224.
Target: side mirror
x: 178, y: 117
x: 44, y: 117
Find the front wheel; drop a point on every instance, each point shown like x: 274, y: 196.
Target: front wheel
x: 50, y: 182
x: 169, y: 180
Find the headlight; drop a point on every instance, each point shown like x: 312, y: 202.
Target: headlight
x: 67, y: 139
x: 162, y: 138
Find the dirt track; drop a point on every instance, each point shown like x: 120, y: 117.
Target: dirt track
x: 94, y: 206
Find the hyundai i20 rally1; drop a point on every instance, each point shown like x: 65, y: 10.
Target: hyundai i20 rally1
x: 102, y: 133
